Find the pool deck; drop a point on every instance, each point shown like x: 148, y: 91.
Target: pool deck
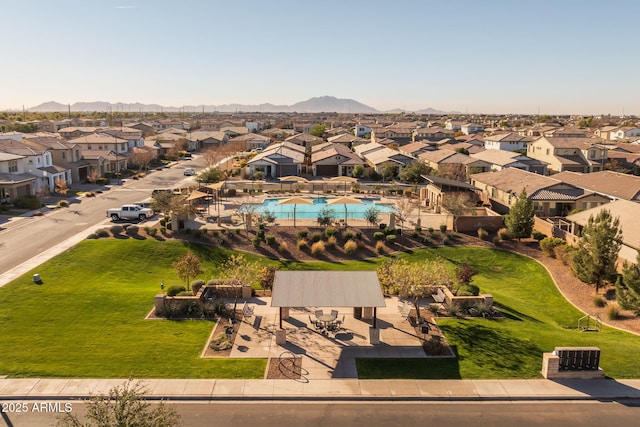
x: 229, y: 206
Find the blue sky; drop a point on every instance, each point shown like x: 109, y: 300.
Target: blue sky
x: 500, y: 56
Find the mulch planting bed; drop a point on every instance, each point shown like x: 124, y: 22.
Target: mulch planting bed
x: 434, y: 342
x: 284, y: 369
x: 223, y: 327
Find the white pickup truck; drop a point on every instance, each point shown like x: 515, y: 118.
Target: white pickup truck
x: 130, y: 212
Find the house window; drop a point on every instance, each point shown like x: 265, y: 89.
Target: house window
x: 13, y: 166
x: 64, y: 155
x: 547, y: 151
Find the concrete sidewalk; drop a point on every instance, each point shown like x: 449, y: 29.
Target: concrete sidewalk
x: 329, y: 390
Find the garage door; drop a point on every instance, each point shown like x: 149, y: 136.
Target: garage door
x: 286, y: 170
x: 327, y: 170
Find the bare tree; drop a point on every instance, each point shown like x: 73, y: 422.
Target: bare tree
x: 404, y: 208
x: 62, y: 186
x: 457, y: 204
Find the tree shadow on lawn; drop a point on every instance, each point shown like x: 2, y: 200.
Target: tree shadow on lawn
x: 493, y: 349
x: 513, y: 314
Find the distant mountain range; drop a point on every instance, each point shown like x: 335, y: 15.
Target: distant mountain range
x: 322, y: 104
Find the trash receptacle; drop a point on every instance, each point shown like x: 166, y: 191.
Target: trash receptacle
x: 36, y: 278
x: 357, y: 312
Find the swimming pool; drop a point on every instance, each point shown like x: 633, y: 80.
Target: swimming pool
x: 305, y: 211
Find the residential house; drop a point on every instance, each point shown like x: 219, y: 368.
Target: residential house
x: 14, y: 181
x: 609, y: 183
x: 453, y: 165
x: 248, y: 142
x: 206, y: 140
x: 331, y: 159
x: 39, y: 163
x: 304, y: 140
x: 364, y: 149
x: 437, y: 189
x: 454, y: 125
x: 277, y: 134
x: 63, y: 154
x: 431, y: 134
x: 499, y: 159
x: 550, y: 196
x: 76, y: 132
x: 623, y: 133
x: 133, y: 136
x: 572, y: 154
x: 277, y: 160
x: 348, y: 140
x: 567, y: 132
x: 105, y: 153
x: 400, y: 133
x: 362, y: 130
x: 234, y: 131
x: 605, y: 132
x: 376, y: 159
x: 510, y: 141
x: 471, y: 128
x: 627, y: 214
x: 415, y: 148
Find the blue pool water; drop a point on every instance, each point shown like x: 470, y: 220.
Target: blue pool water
x: 285, y: 211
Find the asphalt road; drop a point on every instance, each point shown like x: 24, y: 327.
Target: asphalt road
x: 23, y: 238
x: 367, y: 414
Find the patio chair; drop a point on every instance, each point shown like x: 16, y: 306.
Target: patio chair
x: 334, y: 314
x: 339, y: 322
x: 404, y: 311
x: 318, y: 313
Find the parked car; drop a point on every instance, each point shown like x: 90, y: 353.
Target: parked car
x: 130, y: 212
x: 189, y: 172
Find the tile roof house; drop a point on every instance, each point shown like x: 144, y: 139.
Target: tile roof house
x: 14, y: 180
x: 376, y: 159
x: 63, y: 154
x: 550, y: 196
x: 281, y: 159
x: 330, y: 159
x: 348, y: 140
x: 415, y: 148
x: 206, y: 139
x: 453, y: 165
x: 572, y: 154
x: 38, y: 163
x: 304, y: 140
x: 500, y: 159
x: 431, y: 134
x: 611, y: 184
x: 104, y: 152
x: 249, y: 142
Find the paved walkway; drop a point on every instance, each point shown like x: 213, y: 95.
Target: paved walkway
x: 332, y: 390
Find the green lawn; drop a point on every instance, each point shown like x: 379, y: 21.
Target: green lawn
x: 87, y: 319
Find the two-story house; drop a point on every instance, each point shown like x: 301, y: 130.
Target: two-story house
x: 569, y: 154
x: 331, y: 159
x: 431, y: 134
x: 510, y: 141
x: 64, y: 155
x: 39, y: 163
x: 104, y: 153
x: 14, y: 181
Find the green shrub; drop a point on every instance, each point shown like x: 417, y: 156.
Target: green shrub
x: 261, y: 226
x: 496, y: 241
x: 283, y: 248
x: 270, y: 239
x: 599, y: 301
x: 196, y: 285
x: 330, y: 231
x: 102, y: 233
x: 302, y: 234
x: 504, y: 234
x: 548, y: 244
x: 185, y: 294
x: 358, y: 235
x: 332, y: 242
x: 303, y: 245
x: 63, y: 204
x: 378, y: 235
x: 152, y: 231
x: 537, y: 235
x: 446, y: 240
x: 564, y: 253
x: 416, y: 235
x: 27, y: 202
x: 417, y: 229
x: 388, y: 230
x: 350, y: 247
x: 163, y: 230
x: 443, y: 228
x: 133, y: 230
x: 430, y: 230
x: 174, y: 290
x: 116, y: 229
x: 220, y: 343
x: 347, y: 235
x: 483, y: 234
x: 317, y: 249
x: 256, y: 241
x: 231, y: 192
x: 391, y: 239
x: 260, y: 235
x: 316, y: 237
x: 380, y: 248
x: 612, y: 312
x: 92, y: 236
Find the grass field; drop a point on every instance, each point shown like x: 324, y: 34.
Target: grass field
x: 87, y: 319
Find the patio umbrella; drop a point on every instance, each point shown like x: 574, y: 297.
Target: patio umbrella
x: 295, y: 201
x: 345, y: 201
x: 344, y: 179
x: 292, y: 179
